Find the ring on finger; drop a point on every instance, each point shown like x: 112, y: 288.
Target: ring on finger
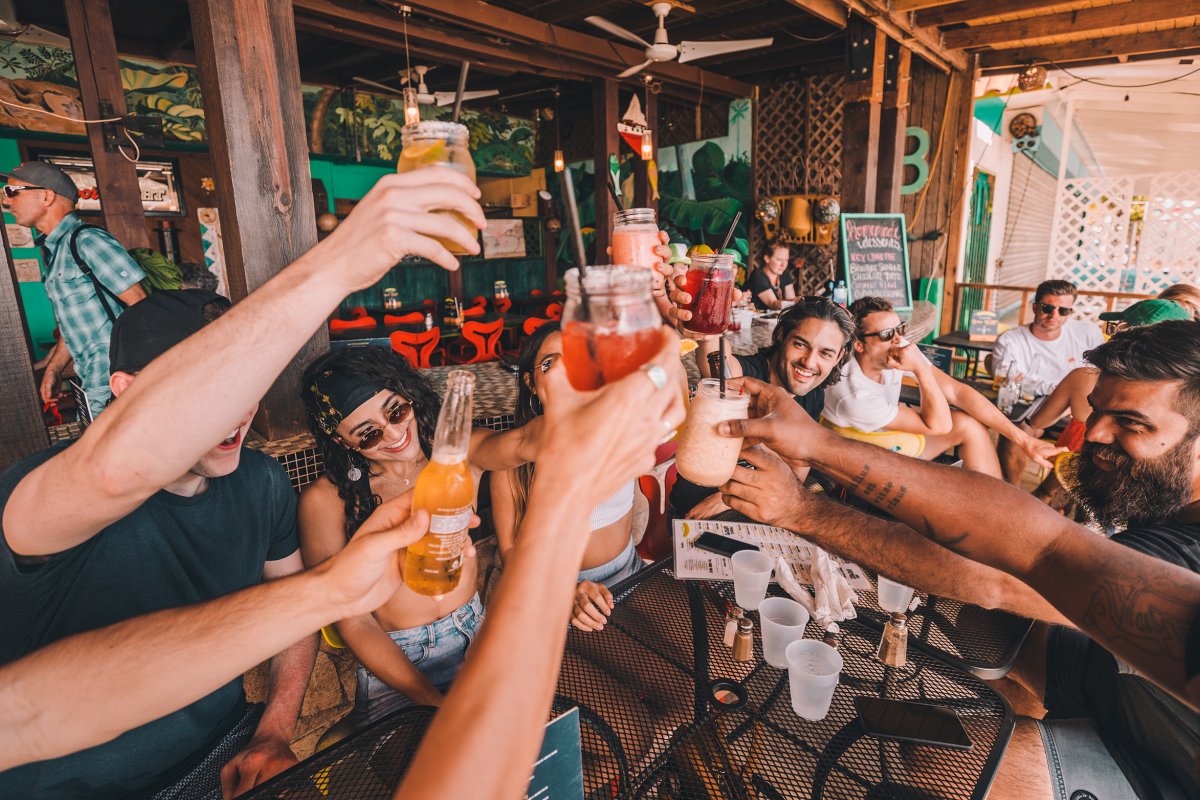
x: 656, y: 374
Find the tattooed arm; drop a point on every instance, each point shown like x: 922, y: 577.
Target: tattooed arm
x: 1136, y: 606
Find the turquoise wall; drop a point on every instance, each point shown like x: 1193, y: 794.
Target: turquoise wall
x: 38, y: 314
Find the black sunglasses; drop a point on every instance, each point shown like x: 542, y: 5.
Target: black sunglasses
x: 11, y: 191
x: 395, y: 416
x: 887, y: 334
x: 1046, y: 308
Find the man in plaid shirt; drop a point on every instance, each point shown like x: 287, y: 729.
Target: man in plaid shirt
x: 40, y: 195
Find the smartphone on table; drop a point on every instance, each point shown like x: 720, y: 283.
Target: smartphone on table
x: 722, y: 545
x: 920, y: 723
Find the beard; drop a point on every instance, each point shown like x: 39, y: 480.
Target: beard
x: 1134, y: 492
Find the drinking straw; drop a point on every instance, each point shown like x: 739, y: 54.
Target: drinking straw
x: 567, y: 186
x: 729, y: 234
x: 721, y: 363
x: 612, y: 189
x: 462, y: 87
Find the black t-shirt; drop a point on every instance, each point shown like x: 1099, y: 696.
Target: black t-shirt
x: 758, y: 282
x: 685, y: 494
x: 1153, y: 737
x: 171, y: 551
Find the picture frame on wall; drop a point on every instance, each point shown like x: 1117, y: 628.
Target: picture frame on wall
x: 158, y: 180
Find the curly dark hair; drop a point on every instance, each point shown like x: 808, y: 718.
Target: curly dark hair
x: 528, y: 407
x: 861, y: 308
x: 380, y: 367
x: 811, y: 308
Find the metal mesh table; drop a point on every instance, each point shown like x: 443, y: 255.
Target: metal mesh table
x: 652, y: 728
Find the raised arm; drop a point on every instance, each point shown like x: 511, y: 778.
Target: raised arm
x: 1136, y: 606
x: 483, y: 742
x: 216, y: 376
x: 965, y: 397
x: 147, y: 667
x: 933, y: 418
x: 505, y: 450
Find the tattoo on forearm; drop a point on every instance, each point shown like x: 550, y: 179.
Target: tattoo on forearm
x: 1145, y: 618
x: 948, y: 542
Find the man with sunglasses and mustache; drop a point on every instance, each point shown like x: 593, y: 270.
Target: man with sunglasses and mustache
x: 1115, y: 661
x: 868, y: 397
x: 1043, y: 352
x: 87, y: 295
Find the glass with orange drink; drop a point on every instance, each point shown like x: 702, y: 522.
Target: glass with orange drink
x: 634, y: 237
x: 444, y: 144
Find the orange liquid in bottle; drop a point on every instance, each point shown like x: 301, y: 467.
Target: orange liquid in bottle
x: 635, y: 247
x: 427, y: 152
x: 594, y: 357
x: 445, y: 489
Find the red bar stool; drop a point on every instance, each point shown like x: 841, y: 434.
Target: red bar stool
x: 411, y: 318
x: 484, y: 337
x: 418, y: 348
x: 352, y: 325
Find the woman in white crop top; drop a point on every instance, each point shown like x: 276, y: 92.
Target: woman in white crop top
x: 610, y: 556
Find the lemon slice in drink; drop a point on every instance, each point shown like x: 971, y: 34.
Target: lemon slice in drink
x: 687, y: 345
x: 421, y: 154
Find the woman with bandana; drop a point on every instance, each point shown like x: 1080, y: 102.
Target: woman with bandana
x: 373, y: 417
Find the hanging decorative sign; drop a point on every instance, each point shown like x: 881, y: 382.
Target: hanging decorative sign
x: 633, y: 126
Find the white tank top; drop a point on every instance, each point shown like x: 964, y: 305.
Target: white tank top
x: 614, y: 508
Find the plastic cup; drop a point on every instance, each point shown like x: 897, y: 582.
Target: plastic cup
x: 813, y: 671
x: 894, y: 597
x: 782, y: 621
x: 751, y: 575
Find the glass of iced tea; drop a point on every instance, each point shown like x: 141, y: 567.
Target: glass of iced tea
x: 710, y: 283
x: 614, y: 329
x: 443, y: 144
x: 634, y: 237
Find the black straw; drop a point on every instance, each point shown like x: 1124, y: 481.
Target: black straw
x: 729, y: 235
x: 612, y: 189
x: 721, y: 362
x: 462, y: 88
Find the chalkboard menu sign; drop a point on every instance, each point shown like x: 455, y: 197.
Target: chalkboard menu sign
x: 875, y: 258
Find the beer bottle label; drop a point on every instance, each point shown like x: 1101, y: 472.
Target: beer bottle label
x: 449, y: 520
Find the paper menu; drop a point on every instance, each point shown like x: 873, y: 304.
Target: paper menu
x: 692, y: 563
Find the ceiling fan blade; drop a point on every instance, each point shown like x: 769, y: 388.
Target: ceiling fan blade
x: 634, y: 70
x: 447, y: 98
x: 616, y: 30
x: 690, y: 51
x: 377, y: 85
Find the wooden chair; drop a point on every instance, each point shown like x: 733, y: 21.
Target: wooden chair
x: 411, y: 318
x: 418, y: 348
x: 484, y: 337
x: 554, y: 311
x: 350, y: 325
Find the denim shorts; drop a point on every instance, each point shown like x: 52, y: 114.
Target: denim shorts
x: 613, y: 572
x: 436, y: 649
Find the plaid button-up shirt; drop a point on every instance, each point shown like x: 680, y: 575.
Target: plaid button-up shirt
x: 82, y: 321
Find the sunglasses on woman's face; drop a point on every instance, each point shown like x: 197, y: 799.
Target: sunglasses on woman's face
x: 396, y: 415
x: 12, y: 191
x: 887, y: 334
x: 1046, y: 308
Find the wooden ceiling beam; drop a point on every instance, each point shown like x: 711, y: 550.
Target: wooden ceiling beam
x: 904, y: 6
x: 967, y: 10
x: 1080, y: 21
x: 928, y: 43
x: 496, y: 21
x: 1093, y: 49
x: 830, y: 11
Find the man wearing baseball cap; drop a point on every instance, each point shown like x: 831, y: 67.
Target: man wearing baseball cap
x: 87, y: 294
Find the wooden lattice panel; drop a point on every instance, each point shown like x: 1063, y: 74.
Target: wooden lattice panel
x: 798, y: 124
x: 1089, y: 244
x: 1170, y: 234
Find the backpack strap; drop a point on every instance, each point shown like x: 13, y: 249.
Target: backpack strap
x: 101, y: 289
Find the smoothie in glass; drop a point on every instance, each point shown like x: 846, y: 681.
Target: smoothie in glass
x: 704, y: 456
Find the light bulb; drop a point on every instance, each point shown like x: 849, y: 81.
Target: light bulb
x: 412, y: 109
x: 647, y: 146
x: 559, y: 162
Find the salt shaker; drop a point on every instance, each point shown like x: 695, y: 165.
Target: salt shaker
x: 732, y: 615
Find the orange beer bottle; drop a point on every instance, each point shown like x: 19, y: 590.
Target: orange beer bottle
x: 446, y: 490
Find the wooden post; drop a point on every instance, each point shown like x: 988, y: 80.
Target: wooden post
x: 893, y: 123
x: 963, y: 102
x: 549, y: 239
x: 606, y: 140
x: 865, y: 51
x: 250, y: 76
x: 22, y: 430
x: 642, y: 192
x: 94, y: 48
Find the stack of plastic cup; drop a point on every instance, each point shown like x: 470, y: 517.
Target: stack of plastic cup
x: 894, y: 598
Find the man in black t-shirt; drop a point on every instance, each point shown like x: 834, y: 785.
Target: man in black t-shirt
x: 1108, y: 661
x: 808, y: 347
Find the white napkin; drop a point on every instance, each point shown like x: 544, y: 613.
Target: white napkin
x: 834, y: 599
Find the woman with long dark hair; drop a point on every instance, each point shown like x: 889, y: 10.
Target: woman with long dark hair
x: 373, y: 417
x: 610, y: 555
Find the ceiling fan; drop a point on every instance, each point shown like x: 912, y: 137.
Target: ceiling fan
x: 662, y: 50
x: 424, y: 96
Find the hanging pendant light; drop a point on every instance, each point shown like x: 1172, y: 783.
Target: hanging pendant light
x: 647, y: 145
x: 412, y: 109
x: 559, y: 162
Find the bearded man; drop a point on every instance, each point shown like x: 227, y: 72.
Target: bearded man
x: 1116, y: 723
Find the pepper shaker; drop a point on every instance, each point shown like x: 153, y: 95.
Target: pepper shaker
x: 743, y: 640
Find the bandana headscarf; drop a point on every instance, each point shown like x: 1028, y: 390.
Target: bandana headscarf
x: 337, y: 395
